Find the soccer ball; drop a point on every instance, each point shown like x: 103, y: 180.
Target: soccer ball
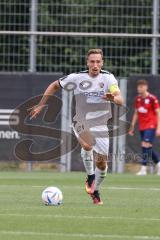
x: 52, y: 196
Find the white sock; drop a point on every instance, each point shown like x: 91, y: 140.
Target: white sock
x: 158, y: 164
x: 158, y: 168
x: 87, y: 157
x: 143, y: 168
x: 99, y: 177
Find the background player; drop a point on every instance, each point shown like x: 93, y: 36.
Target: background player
x: 93, y: 87
x: 147, y: 113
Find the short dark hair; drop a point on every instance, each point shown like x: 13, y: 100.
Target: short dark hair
x: 95, y: 51
x: 142, y: 82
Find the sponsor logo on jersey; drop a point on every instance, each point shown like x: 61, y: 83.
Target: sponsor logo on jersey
x: 94, y: 94
x: 142, y: 110
x: 85, y: 84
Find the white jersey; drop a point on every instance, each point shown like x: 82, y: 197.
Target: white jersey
x: 91, y: 111
x: 88, y: 93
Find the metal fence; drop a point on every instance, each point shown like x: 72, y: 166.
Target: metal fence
x: 54, y: 36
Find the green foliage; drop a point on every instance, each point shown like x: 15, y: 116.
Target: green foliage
x: 66, y: 54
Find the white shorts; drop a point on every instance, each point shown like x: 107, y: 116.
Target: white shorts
x: 100, y: 135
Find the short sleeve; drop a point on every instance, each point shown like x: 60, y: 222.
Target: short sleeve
x: 155, y: 103
x: 68, y: 80
x: 113, y: 84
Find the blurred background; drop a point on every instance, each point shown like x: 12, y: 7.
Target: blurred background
x: 42, y: 40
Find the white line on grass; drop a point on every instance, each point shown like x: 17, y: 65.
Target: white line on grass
x: 79, y: 235
x: 81, y: 217
x: 79, y: 187
x: 111, y: 188
x: 133, y: 188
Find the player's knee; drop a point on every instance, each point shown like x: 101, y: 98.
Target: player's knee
x: 86, y: 146
x: 146, y: 144
x: 101, y: 163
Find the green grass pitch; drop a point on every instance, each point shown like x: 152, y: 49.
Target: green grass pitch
x: 131, y: 208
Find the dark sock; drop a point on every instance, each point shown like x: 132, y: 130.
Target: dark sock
x: 155, y: 157
x: 147, y: 155
x: 91, y: 178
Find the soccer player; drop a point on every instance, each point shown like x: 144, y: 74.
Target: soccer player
x: 93, y: 89
x: 147, y: 113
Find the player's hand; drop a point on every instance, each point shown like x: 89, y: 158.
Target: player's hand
x: 35, y: 111
x: 131, y: 131
x: 109, y: 97
x: 158, y: 132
